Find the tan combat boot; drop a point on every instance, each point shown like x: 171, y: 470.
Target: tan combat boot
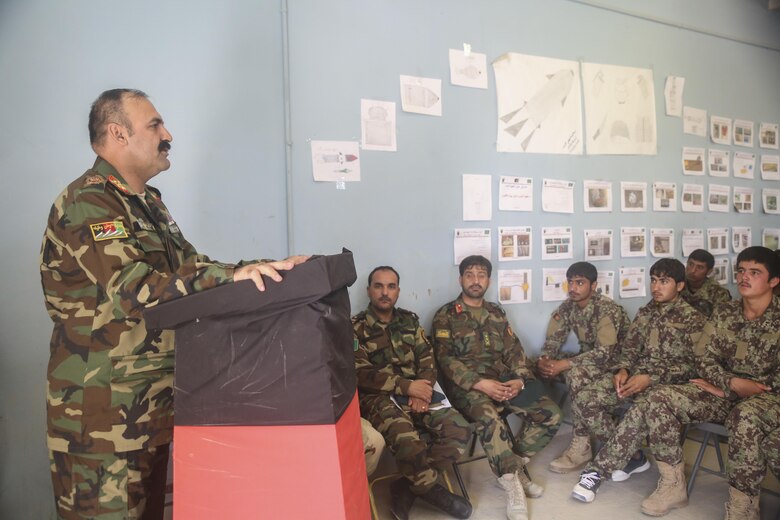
x: 575, y: 456
x: 670, y: 493
x: 741, y: 506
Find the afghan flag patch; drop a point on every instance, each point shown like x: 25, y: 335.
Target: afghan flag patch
x: 108, y: 230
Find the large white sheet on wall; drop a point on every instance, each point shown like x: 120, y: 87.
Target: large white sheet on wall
x: 539, y: 108
x: 619, y: 110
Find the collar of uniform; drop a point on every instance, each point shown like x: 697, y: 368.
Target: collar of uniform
x: 372, y: 320
x: 771, y: 314
x: 473, y: 310
x: 105, y: 169
x: 664, y: 308
x: 587, y: 312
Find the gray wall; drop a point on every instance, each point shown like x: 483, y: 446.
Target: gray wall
x: 214, y: 70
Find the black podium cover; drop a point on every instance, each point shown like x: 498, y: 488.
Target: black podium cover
x: 279, y: 357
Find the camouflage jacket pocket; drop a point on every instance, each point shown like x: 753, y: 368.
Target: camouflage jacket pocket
x: 132, y: 373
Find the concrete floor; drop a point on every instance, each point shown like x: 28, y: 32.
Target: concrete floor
x: 614, y: 500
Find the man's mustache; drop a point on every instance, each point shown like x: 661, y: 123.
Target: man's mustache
x: 164, y: 146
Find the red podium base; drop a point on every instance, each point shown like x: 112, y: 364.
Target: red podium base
x: 274, y: 472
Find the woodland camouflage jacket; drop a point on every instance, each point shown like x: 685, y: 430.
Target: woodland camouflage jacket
x: 107, y: 255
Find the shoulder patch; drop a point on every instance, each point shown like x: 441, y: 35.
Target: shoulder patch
x: 442, y: 333
x: 556, y: 316
x: 108, y: 230
x: 93, y: 179
x: 458, y: 308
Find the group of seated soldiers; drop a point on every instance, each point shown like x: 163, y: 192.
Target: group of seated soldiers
x: 690, y: 355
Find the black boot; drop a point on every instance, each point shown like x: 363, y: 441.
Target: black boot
x: 401, y: 499
x: 453, y: 505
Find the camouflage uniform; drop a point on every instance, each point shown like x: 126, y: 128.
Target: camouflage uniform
x: 730, y: 346
x: 659, y: 343
x: 600, y: 328
x: 473, y: 344
x: 373, y: 446
x: 107, y: 255
x: 389, y: 357
x: 707, y: 297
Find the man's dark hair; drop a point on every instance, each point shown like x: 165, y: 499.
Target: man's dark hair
x: 761, y: 255
x: 669, y: 267
x: 383, y: 268
x: 475, y: 260
x: 106, y: 109
x: 702, y: 255
x: 584, y: 269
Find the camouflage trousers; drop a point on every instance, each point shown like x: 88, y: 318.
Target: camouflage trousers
x: 595, y: 406
x: 373, y: 446
x: 579, y: 377
x: 541, y: 421
x: 417, y: 459
x: 754, y: 441
x: 110, y: 486
x: 660, y: 415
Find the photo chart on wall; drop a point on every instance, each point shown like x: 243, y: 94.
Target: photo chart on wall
x: 662, y: 242
x: 632, y: 282
x: 770, y: 167
x: 718, y: 241
x: 767, y: 135
x: 598, y: 244
x: 555, y: 288
x: 718, y: 163
x: 633, y: 242
x: 539, y: 108
x: 744, y: 165
x: 471, y: 241
x: 606, y: 284
x: 692, y: 198
x: 619, y: 110
x: 515, y: 243
x: 743, y: 199
x: 597, y: 196
x: 514, y: 286
x: 664, y: 196
x: 743, y: 133
x: 693, y: 160
x: 770, y: 198
x: 770, y: 237
x: 720, y: 130
x: 741, y: 237
x: 720, y: 273
x: 692, y: 239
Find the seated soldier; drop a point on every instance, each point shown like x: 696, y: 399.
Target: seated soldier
x: 701, y: 291
x: 485, y: 375
x: 739, y: 364
x: 658, y: 350
x: 600, y: 325
x: 396, y: 374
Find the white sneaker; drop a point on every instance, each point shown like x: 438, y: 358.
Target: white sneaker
x: 515, y: 496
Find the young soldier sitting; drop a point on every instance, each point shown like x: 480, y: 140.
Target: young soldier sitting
x: 600, y: 325
x: 701, y: 291
x: 658, y: 349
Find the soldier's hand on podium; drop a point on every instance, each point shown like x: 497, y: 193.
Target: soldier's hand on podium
x: 255, y: 272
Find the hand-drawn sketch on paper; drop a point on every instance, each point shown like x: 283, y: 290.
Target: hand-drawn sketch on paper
x: 695, y: 121
x: 767, y: 135
x: 673, y: 93
x: 378, y: 125
x: 619, y: 110
x: 539, y: 108
x: 335, y: 161
x: 421, y: 95
x: 468, y: 70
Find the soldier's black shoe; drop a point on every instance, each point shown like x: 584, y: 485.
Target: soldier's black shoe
x: 453, y: 505
x: 401, y: 499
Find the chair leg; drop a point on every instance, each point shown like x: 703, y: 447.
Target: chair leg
x: 456, y: 470
x: 716, y: 444
x: 473, y: 444
x: 697, y: 463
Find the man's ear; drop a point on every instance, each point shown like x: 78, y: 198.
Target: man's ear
x: 117, y: 133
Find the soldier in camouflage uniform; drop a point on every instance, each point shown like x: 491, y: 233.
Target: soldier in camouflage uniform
x: 658, y: 350
x: 701, y: 291
x: 111, y: 249
x: 396, y: 375
x: 739, y: 364
x: 600, y: 325
x: 485, y: 375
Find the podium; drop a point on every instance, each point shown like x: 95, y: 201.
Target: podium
x: 266, y: 421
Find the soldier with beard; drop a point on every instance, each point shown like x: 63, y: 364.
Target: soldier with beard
x: 485, y: 375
